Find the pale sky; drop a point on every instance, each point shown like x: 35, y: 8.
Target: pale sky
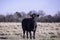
x: 11, y: 6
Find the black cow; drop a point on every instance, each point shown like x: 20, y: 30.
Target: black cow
x: 28, y: 25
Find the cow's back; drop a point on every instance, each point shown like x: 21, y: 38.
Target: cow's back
x: 28, y: 24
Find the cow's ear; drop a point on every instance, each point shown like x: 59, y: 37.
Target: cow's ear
x: 37, y: 15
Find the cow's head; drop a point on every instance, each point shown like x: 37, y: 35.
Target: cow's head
x: 34, y: 15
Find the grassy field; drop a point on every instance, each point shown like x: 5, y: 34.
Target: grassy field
x: 45, y: 31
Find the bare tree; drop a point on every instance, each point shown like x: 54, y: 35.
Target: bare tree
x: 57, y: 17
x: 2, y: 18
x: 41, y: 13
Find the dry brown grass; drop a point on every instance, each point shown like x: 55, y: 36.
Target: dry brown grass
x: 45, y: 31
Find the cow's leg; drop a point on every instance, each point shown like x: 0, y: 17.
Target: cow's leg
x: 30, y: 35
x: 34, y: 34
x: 27, y: 34
x: 23, y: 33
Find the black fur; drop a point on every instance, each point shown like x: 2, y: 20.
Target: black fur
x: 28, y: 25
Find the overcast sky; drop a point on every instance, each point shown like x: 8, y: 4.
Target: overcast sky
x: 11, y: 6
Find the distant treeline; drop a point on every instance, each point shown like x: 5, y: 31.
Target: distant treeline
x: 18, y: 16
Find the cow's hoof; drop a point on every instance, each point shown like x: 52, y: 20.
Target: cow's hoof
x: 27, y: 37
x: 30, y: 37
x: 33, y: 37
x: 23, y: 36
